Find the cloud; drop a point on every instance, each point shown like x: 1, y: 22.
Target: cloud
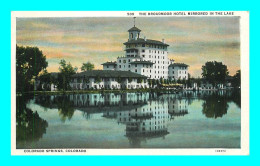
x: 192, y: 40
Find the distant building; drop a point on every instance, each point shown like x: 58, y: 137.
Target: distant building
x: 178, y: 71
x: 147, y: 57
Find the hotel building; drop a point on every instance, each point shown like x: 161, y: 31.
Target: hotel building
x: 149, y: 58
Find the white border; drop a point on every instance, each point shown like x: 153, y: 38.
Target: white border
x: 244, y: 50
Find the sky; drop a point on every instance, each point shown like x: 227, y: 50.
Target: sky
x: 192, y: 40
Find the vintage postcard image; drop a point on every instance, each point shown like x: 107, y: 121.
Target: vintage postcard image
x: 130, y: 83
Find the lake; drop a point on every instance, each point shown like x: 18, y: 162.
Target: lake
x: 205, y: 119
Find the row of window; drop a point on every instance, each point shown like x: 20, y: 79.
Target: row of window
x: 151, y: 51
x: 146, y: 45
x: 182, y: 68
x: 184, y: 72
x: 151, y: 71
x: 132, y: 51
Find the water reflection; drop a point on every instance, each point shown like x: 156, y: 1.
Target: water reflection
x: 29, y: 126
x: 145, y: 115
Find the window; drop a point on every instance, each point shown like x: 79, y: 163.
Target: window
x: 135, y: 65
x: 136, y: 70
x: 149, y: 56
x: 143, y: 50
x: 124, y: 61
x: 132, y: 36
x: 119, y: 66
x: 128, y: 60
x: 129, y: 66
x: 107, y: 66
x: 143, y: 70
x: 119, y: 61
x: 172, y: 72
x: 143, y: 56
x: 143, y: 45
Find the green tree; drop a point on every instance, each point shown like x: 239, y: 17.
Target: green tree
x: 236, y: 82
x: 119, y: 80
x: 87, y: 66
x: 139, y: 80
x: 157, y: 82
x: 153, y: 82
x: 45, y: 79
x: 150, y: 82
x: 179, y: 81
x: 30, y: 61
x: 161, y: 80
x: 64, y: 76
x: 214, y: 72
x: 97, y: 80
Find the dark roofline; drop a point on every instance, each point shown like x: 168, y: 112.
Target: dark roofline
x: 148, y: 41
x: 178, y: 64
x: 134, y: 29
x: 109, y: 63
x: 142, y: 62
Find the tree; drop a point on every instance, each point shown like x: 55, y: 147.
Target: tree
x: 236, y: 82
x: 64, y: 76
x: 87, y: 66
x: 97, y: 79
x: 45, y: 79
x: 150, y: 82
x: 30, y: 61
x: 139, y: 80
x: 161, y: 80
x: 214, y: 72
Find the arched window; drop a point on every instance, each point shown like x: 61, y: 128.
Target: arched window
x: 132, y: 35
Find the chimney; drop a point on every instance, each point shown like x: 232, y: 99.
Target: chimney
x: 144, y: 38
x: 163, y: 40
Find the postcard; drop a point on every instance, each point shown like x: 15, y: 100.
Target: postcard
x: 130, y: 83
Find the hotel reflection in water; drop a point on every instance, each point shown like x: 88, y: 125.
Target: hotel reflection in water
x: 145, y: 115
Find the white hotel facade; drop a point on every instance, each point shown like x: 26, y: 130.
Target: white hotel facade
x: 149, y: 58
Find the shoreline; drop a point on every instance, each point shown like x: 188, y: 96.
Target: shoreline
x: 110, y: 91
